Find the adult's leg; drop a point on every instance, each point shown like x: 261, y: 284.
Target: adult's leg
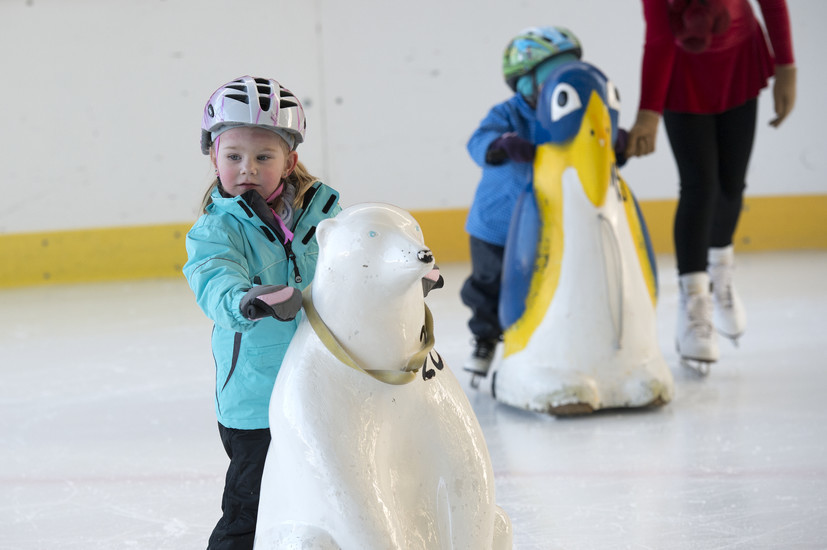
x: 692, y: 138
x: 693, y: 141
x: 247, y: 450
x: 736, y: 135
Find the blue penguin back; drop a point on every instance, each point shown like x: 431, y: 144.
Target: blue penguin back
x: 520, y: 257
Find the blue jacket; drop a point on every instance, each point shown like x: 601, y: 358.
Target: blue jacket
x: 231, y: 248
x: 501, y: 184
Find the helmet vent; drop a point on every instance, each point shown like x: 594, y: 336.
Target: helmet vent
x: 239, y: 97
x: 250, y: 101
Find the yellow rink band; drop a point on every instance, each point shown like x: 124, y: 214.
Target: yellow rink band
x: 143, y: 252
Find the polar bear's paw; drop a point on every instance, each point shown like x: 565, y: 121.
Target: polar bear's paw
x: 503, y: 536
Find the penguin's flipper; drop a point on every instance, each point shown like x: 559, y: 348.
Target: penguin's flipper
x: 643, y: 242
x: 520, y: 257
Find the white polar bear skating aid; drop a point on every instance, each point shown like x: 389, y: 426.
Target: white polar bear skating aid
x: 375, y: 445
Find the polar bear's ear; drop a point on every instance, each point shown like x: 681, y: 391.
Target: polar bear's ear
x: 323, y: 228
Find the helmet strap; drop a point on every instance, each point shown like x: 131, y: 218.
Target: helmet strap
x: 531, y: 99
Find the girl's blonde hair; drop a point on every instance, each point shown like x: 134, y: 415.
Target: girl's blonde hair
x: 300, y: 178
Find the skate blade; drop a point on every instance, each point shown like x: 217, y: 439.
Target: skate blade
x: 482, y: 371
x: 732, y: 337
x: 475, y: 379
x: 698, y: 366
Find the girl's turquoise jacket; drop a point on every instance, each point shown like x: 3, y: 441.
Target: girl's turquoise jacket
x: 235, y: 245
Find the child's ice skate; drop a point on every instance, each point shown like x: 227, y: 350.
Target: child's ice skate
x: 696, y: 340
x: 480, y: 360
x: 730, y: 318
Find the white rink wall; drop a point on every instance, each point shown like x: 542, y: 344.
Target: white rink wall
x: 103, y: 99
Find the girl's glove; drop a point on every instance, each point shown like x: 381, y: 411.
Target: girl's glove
x: 510, y: 146
x: 279, y: 301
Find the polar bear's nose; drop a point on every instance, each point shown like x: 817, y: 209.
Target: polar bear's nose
x: 425, y: 256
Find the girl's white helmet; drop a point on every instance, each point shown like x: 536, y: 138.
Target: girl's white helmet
x: 258, y: 102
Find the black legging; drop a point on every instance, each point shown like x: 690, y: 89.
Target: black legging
x: 712, y: 153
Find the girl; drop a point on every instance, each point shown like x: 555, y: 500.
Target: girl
x: 250, y: 254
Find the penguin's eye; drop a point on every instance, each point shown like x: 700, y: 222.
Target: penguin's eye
x: 613, y: 96
x: 564, y: 100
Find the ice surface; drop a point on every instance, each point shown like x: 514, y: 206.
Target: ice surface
x: 109, y: 438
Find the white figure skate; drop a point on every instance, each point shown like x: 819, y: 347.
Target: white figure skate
x: 729, y: 315
x: 695, y: 338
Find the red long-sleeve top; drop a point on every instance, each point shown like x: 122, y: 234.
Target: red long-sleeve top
x: 732, y: 70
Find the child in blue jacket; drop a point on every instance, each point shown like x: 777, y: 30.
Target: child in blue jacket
x: 503, y: 146
x: 250, y: 254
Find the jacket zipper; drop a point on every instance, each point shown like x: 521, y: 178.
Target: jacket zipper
x: 288, y: 247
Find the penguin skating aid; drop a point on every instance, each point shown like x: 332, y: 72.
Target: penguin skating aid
x: 580, y: 285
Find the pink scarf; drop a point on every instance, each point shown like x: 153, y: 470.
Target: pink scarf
x: 288, y: 235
